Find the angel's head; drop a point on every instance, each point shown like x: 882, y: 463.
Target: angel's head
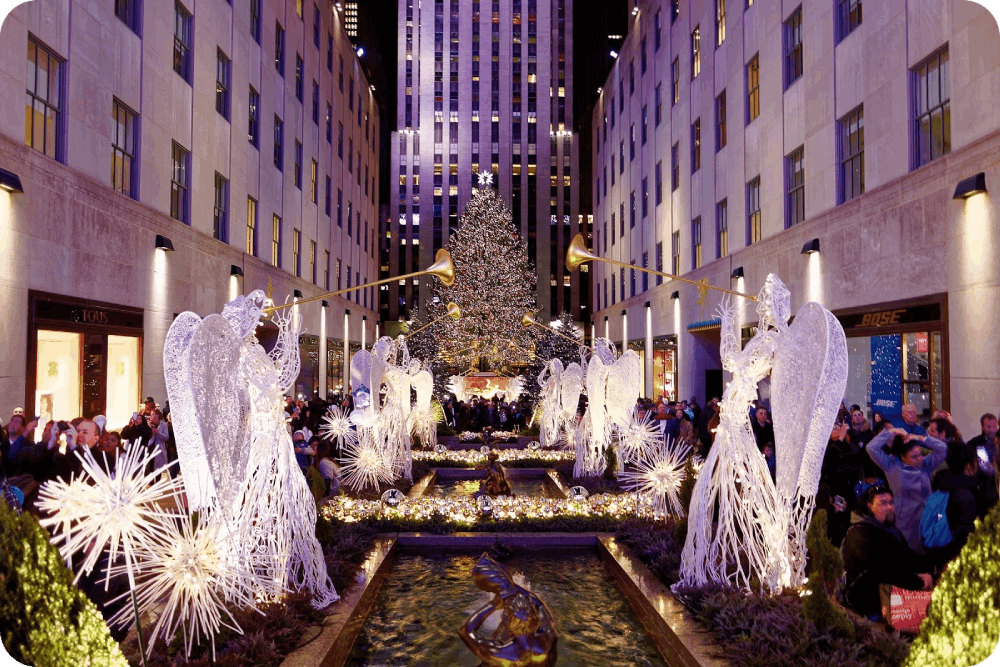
x: 774, y: 304
x: 244, y: 312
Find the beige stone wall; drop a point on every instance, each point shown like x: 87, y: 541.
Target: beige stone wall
x: 70, y: 234
x: 904, y: 238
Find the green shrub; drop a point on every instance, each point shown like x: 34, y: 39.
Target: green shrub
x: 317, y: 485
x: 44, y: 619
x: 530, y: 431
x: 445, y: 429
x: 963, y: 621
x: 825, y: 568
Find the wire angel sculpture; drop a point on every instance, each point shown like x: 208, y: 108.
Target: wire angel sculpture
x: 760, y: 531
x: 233, y: 445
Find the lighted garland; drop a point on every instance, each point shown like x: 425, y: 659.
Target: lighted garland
x: 475, y: 457
x: 464, y: 511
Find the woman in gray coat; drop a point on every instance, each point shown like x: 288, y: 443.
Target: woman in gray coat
x: 908, y: 472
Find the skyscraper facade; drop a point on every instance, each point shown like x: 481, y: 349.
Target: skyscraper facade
x: 483, y: 86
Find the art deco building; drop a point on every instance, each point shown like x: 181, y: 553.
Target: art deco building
x: 164, y: 157
x: 829, y: 143
x: 483, y: 85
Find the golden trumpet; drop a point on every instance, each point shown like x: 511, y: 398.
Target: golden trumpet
x: 442, y: 267
x: 528, y: 319
x: 453, y: 312
x: 578, y: 254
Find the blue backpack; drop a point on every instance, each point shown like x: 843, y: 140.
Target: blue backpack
x: 934, y: 530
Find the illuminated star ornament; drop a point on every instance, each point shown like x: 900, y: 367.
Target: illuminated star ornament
x: 658, y: 476
x: 486, y: 179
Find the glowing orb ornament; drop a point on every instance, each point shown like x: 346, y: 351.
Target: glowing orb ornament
x: 534, y: 446
x: 440, y: 449
x: 485, y: 504
x: 578, y: 493
x: 393, y: 497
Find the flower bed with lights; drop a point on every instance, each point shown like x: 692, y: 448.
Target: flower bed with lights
x: 511, y: 458
x: 598, y: 513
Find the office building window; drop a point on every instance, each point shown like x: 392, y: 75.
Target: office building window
x: 298, y: 77
x: 795, y: 179
x: 326, y: 270
x: 631, y: 142
x: 223, y: 72
x: 675, y: 81
x: 675, y: 253
x: 315, y: 100
x: 793, y: 47
x: 313, y: 178
x: 631, y: 214
x: 848, y: 17
x: 329, y: 190
x: 644, y: 116
x: 329, y: 123
x: 722, y: 228
x: 128, y: 12
x: 659, y: 262
x: 720, y: 22
x: 658, y: 112
x: 180, y: 183
x: 656, y: 31
x: 720, y: 121
x: 276, y: 241
x: 253, y: 119
x: 123, y: 149
x: 754, y: 230
x: 753, y: 88
x: 696, y: 52
x: 696, y: 145
x: 296, y: 254
x: 659, y: 182
x: 645, y: 196
x: 852, y: 155
x: 675, y: 166
x: 312, y: 262
x: 255, y: 20
x: 279, y: 49
x: 220, y: 219
x: 182, y: 41
x: 251, y: 240
x: 297, y: 174
x: 696, y: 243
x: 675, y: 10
x: 316, y: 22
x: 932, y: 125
x: 279, y: 144
x: 340, y: 140
x: 43, y: 119
x: 340, y: 207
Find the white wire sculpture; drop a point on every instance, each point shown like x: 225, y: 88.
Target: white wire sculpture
x: 636, y: 437
x: 337, y: 427
x: 233, y: 444
x: 658, y: 475
x: 760, y: 530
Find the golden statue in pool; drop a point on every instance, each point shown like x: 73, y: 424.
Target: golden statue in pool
x: 526, y: 634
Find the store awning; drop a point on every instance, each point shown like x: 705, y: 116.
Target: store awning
x: 707, y: 325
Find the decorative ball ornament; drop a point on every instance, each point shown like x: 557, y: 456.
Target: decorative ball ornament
x: 440, y: 449
x: 484, y: 450
x: 485, y: 504
x: 578, y: 493
x: 393, y: 497
x: 534, y: 446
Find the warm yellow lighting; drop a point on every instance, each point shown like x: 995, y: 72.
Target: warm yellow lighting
x: 814, y: 280
x: 234, y: 287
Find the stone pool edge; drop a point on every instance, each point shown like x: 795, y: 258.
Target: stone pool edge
x: 679, y: 638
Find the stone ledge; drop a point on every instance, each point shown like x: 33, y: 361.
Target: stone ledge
x: 679, y: 638
x: 424, y: 483
x: 332, y: 646
x: 476, y: 541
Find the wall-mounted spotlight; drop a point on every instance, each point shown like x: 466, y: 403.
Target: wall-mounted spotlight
x: 623, y: 311
x: 738, y: 272
x: 675, y: 295
x: 324, y: 303
x: 236, y: 271
x: 973, y: 185
x: 810, y: 247
x: 297, y: 294
x: 10, y: 182
x: 646, y: 305
x: 163, y: 243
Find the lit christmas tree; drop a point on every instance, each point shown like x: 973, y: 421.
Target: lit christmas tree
x: 493, y: 279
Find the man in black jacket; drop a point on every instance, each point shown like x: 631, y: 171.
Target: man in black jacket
x: 875, y: 553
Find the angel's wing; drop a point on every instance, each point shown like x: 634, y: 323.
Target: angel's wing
x: 597, y: 374
x: 222, y: 405
x: 572, y: 386
x: 623, y: 387
x: 808, y: 380
x: 361, y: 388
x: 423, y: 383
x: 198, y: 484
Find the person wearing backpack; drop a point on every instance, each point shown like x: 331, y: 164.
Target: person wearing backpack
x: 950, y: 512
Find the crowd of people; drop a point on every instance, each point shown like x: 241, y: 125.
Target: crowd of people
x: 901, y: 495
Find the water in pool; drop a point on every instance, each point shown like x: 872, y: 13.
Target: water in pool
x: 426, y: 599
x: 521, y: 487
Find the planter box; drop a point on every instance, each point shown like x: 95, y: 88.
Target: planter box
x: 523, y: 440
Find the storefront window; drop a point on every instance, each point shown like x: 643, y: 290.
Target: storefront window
x: 123, y: 380
x: 57, y: 384
x: 665, y: 367
x: 886, y: 372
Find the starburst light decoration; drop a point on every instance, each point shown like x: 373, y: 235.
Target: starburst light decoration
x: 658, y: 475
x: 186, y: 578
x: 636, y: 437
x: 492, y: 288
x: 337, y: 427
x: 365, y: 464
x: 98, y: 510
